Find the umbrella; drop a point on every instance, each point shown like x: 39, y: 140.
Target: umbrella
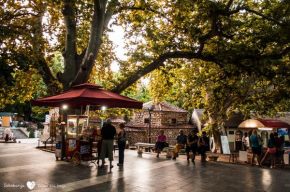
x: 88, y: 94
x: 7, y: 131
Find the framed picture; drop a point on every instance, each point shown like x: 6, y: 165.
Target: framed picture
x: 283, y: 131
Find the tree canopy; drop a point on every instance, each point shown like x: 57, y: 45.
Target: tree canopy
x: 246, y: 36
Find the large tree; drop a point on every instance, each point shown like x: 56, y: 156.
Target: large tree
x: 252, y: 36
x: 221, y: 92
x: 245, y: 33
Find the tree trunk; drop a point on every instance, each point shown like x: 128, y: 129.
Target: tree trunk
x: 94, y: 44
x: 69, y: 54
x: 217, y: 140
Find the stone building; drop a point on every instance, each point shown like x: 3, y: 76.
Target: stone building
x: 164, y: 116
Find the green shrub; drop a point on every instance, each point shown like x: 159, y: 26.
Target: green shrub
x: 31, y: 134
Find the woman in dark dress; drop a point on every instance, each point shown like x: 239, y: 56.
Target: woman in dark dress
x: 121, y: 144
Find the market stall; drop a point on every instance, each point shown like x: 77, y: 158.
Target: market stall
x: 75, y: 137
x: 264, y: 128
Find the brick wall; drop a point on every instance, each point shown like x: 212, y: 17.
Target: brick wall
x: 159, y: 117
x: 142, y: 136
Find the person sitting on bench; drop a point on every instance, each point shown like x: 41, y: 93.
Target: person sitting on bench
x: 161, y: 142
x: 181, y: 141
x: 191, y: 145
x: 203, y: 144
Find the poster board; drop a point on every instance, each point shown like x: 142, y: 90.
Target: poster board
x: 225, y: 145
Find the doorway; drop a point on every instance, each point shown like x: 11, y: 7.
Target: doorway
x: 238, y: 140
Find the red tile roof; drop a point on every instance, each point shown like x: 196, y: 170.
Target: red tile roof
x: 163, y: 106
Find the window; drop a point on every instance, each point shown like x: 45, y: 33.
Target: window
x: 231, y: 132
x: 146, y: 120
x: 173, y: 121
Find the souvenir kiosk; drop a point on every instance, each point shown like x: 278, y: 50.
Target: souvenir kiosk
x: 264, y: 128
x: 78, y: 142
x: 75, y: 135
x: 74, y: 139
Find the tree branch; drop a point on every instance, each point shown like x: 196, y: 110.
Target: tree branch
x: 110, y: 11
x: 264, y: 16
x: 10, y: 16
x: 135, y: 76
x: 142, y: 9
x: 229, y: 5
x: 38, y: 52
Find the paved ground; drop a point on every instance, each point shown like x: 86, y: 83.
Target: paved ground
x: 22, y: 165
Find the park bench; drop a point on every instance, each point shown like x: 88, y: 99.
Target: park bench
x: 140, y: 146
x: 212, y: 156
x: 167, y: 150
x: 45, y: 139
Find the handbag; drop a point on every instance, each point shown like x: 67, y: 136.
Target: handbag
x: 123, y: 139
x: 166, y: 144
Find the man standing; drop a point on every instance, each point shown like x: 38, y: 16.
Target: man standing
x: 181, y: 141
x: 108, y: 132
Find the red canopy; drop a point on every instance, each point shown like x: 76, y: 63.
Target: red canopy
x: 263, y: 123
x: 274, y: 123
x: 88, y: 94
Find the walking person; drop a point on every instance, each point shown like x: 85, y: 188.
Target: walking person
x: 282, y: 138
x: 278, y: 144
x: 256, y: 149
x: 160, y: 143
x: 192, y: 140
x: 203, y: 143
x: 108, y: 132
x: 270, y: 151
x: 121, y: 144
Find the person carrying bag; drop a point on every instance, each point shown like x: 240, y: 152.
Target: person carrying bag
x: 122, y: 139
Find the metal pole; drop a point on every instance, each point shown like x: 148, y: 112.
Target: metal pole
x: 149, y: 132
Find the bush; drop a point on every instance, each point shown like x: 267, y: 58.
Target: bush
x: 40, y: 125
x: 31, y: 134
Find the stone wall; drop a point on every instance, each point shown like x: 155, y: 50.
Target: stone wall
x: 142, y: 136
x: 159, y: 117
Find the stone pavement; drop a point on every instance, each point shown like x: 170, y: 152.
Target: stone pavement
x: 21, y: 165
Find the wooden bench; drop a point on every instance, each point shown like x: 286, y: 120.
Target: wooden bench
x: 167, y: 150
x: 140, y: 146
